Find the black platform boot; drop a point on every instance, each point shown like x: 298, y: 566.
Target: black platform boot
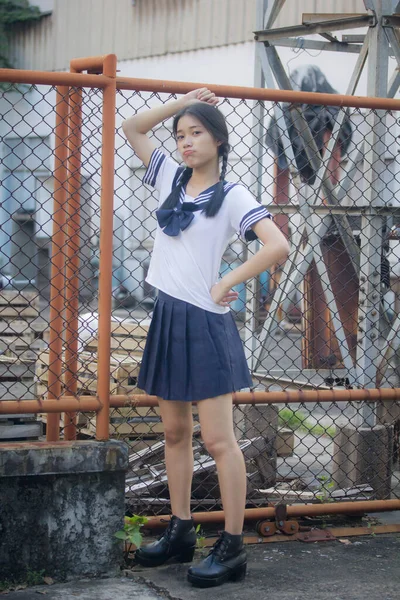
x: 227, y: 561
x: 178, y: 542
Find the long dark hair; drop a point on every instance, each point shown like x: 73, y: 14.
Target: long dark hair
x: 214, y: 121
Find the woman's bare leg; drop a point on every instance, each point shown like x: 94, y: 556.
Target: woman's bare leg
x: 216, y: 420
x: 178, y: 429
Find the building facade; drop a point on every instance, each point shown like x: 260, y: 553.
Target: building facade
x: 209, y: 41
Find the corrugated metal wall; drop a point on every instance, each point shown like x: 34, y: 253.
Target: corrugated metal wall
x: 147, y: 28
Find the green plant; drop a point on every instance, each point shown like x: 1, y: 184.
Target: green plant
x: 34, y: 577
x: 12, y: 13
x: 295, y: 419
x: 30, y: 579
x: 6, y: 585
x: 201, y: 540
x: 324, y: 490
x: 131, y: 531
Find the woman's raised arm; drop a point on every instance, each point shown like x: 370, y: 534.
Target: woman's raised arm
x: 136, y: 128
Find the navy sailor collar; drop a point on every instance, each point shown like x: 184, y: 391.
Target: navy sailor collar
x: 173, y: 221
x: 205, y: 195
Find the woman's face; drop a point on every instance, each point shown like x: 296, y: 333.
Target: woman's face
x: 195, y: 143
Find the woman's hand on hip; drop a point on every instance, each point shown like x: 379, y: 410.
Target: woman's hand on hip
x: 223, y: 296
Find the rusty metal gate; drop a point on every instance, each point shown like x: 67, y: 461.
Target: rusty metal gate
x: 321, y: 332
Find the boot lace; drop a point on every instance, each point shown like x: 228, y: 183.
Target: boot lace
x: 220, y: 548
x: 170, y: 529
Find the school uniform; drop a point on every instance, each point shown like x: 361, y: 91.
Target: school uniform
x: 193, y: 349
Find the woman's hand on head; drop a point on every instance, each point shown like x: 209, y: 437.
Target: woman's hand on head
x: 223, y: 296
x: 200, y: 95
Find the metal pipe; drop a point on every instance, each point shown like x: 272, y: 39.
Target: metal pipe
x: 106, y: 249
x: 251, y: 93
x: 65, y: 403
x: 9, y: 406
x: 181, y: 87
x: 72, y: 255
x: 295, y: 510
x: 57, y: 282
x: 284, y: 397
x: 90, y: 63
x: 51, y: 78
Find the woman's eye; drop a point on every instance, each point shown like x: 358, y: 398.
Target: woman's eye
x: 179, y: 137
x: 197, y: 132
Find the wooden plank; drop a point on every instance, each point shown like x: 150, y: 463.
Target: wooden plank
x: 18, y: 311
x: 86, y: 386
x: 19, y: 298
x: 18, y: 304
x: 18, y: 417
x: 123, y: 372
x: 17, y: 390
x: 23, y: 430
x: 127, y: 336
x: 7, y: 340
x: 136, y: 421
x: 135, y: 428
x: 81, y: 418
x: 125, y: 368
x: 15, y: 369
x: 135, y: 328
x: 23, y: 349
x: 121, y: 344
x: 16, y: 327
x: 129, y: 390
x: 337, y: 532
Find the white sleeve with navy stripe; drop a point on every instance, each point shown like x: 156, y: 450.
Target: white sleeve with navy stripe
x: 160, y: 173
x: 245, y: 211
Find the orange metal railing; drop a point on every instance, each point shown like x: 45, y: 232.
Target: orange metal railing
x: 65, y: 264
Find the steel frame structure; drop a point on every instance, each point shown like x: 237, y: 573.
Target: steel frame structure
x: 380, y: 42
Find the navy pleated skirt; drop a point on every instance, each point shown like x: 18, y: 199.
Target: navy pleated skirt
x: 192, y: 354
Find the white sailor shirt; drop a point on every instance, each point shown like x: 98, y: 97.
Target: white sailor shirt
x: 185, y: 262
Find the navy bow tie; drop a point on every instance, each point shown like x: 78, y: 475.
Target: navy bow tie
x: 173, y: 221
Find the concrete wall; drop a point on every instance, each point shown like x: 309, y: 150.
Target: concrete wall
x: 61, y: 504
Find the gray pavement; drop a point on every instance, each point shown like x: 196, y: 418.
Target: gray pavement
x: 362, y: 568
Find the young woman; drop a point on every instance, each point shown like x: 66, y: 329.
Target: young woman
x: 193, y: 350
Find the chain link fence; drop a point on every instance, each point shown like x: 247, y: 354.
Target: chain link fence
x: 327, y: 319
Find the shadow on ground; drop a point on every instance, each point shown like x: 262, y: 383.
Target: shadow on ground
x: 362, y: 568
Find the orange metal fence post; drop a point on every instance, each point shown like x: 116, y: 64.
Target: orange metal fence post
x: 57, y: 282
x: 106, y: 248
x: 72, y: 255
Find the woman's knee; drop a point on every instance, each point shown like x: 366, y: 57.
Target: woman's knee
x: 217, y: 446
x: 178, y: 433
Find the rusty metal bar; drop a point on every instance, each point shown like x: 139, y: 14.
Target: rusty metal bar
x: 106, y: 248
x: 51, y: 78
x: 57, y: 282
x: 90, y: 63
x: 251, y: 93
x: 181, y: 87
x: 284, y: 397
x: 295, y: 510
x: 68, y: 403
x: 72, y: 256
x: 65, y: 403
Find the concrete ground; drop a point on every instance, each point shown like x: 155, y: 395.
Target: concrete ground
x: 355, y: 568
